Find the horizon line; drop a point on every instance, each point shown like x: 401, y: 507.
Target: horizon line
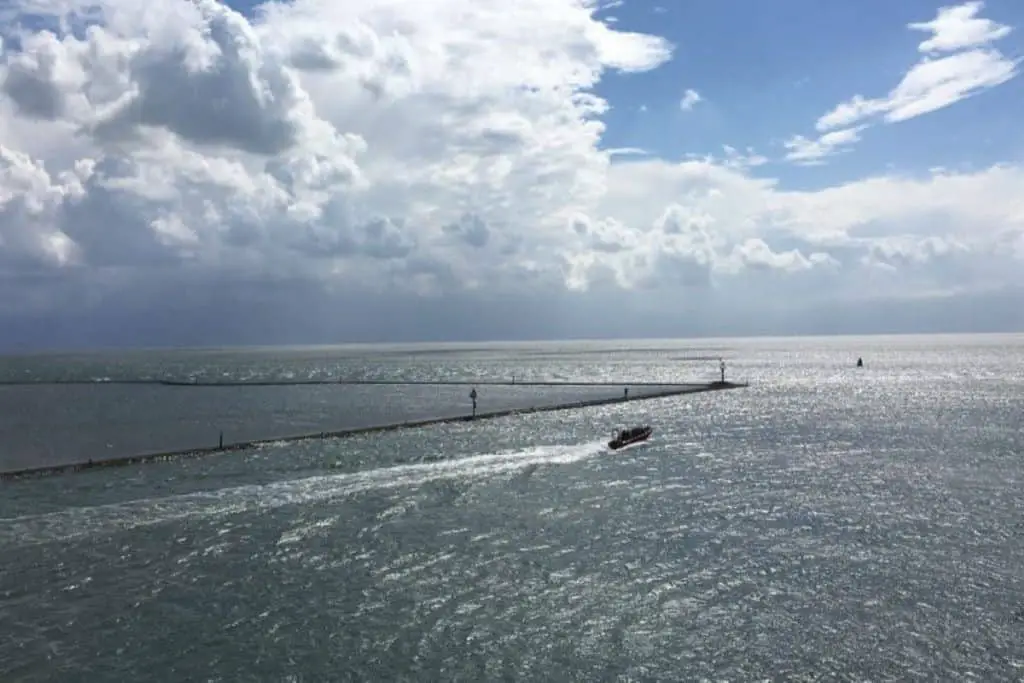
x: 413, y: 344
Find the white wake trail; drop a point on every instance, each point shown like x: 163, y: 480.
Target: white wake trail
x: 102, y: 519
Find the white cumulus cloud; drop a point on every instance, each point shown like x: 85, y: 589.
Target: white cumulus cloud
x: 958, y: 62
x: 958, y: 27
x: 179, y: 172
x: 936, y: 82
x: 812, y: 152
x: 691, y: 98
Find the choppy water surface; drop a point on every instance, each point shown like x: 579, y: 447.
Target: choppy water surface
x: 825, y: 524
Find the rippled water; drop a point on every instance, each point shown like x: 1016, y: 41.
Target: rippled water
x: 59, y: 409
x: 824, y: 524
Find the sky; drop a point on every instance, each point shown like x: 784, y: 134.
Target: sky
x: 190, y: 172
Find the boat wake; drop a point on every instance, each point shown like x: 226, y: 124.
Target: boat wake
x: 105, y: 519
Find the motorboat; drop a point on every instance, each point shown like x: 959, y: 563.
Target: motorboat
x: 627, y: 437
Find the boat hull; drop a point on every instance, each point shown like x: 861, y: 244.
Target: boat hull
x: 616, y: 444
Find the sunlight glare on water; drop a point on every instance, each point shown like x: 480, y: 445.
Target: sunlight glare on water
x: 827, y: 523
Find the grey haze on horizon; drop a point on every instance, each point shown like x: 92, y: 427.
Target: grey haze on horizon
x: 295, y: 314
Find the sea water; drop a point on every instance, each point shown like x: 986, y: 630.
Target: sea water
x: 826, y: 523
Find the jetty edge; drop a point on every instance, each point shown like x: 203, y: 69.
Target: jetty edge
x: 670, y: 391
